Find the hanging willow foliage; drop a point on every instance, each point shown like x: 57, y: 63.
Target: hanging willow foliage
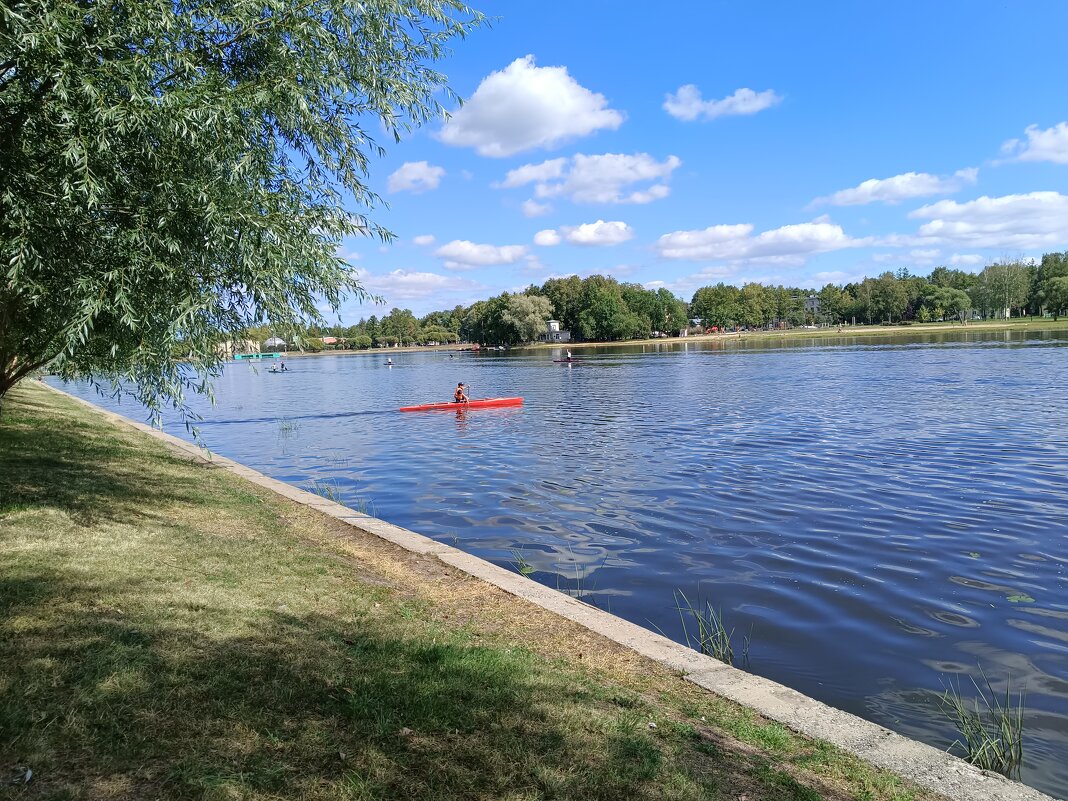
x: 174, y: 172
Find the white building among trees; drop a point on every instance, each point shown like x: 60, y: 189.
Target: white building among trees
x: 553, y: 332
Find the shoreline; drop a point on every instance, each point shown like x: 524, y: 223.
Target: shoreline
x: 916, y: 762
x: 829, y: 332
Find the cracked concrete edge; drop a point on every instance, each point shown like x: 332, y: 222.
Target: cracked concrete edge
x: 917, y: 762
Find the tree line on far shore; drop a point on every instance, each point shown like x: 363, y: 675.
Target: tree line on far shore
x: 600, y: 308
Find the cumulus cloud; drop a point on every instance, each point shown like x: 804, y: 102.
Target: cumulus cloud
x: 415, y: 176
x: 965, y: 259
x: 900, y: 187
x: 424, y: 239
x: 821, y: 279
x: 533, y: 173
x: 605, y: 178
x: 599, y: 233
x: 532, y: 208
x: 547, y: 238
x: 1050, y: 144
x: 921, y: 256
x: 687, y: 284
x: 788, y: 245
x: 408, y: 285
x: 687, y: 103
x: 524, y: 107
x: 595, y: 233
x: 1034, y: 221
x: 533, y: 263
x: 463, y: 255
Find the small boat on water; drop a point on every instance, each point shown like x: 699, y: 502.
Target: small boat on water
x: 480, y: 403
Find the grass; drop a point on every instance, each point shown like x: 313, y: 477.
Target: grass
x: 711, y: 635
x: 832, y: 332
x: 521, y: 565
x: 169, y: 631
x: 990, y: 727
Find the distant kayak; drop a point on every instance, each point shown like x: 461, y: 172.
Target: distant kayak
x: 481, y: 403
x: 566, y: 361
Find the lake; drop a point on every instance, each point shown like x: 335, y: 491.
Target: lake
x: 884, y: 515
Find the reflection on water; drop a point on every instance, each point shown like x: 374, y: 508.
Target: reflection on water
x: 884, y: 513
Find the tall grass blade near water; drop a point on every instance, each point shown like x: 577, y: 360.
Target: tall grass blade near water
x: 990, y: 726
x: 711, y: 636
x: 519, y: 562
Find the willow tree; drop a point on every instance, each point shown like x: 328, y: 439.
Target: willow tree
x: 175, y: 171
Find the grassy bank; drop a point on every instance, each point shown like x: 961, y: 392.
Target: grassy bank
x: 841, y: 332
x: 169, y: 631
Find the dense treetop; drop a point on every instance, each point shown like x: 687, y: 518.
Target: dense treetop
x: 601, y: 308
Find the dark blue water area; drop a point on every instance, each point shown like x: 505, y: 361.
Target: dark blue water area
x: 885, y: 516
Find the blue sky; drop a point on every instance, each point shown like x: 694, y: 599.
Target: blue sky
x: 684, y: 144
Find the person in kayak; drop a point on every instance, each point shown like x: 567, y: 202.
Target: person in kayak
x: 460, y: 396
x: 569, y: 355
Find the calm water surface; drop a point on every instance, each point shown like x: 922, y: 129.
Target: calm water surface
x: 884, y: 515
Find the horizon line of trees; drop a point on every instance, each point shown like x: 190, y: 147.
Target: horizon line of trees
x: 600, y: 308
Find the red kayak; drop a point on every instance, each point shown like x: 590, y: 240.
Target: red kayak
x: 481, y: 403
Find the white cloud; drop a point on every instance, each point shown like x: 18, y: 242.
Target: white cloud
x: 530, y: 173
x: 687, y: 104
x: 547, y: 238
x: 532, y: 208
x: 1034, y: 221
x: 595, y: 233
x: 1050, y: 144
x: 463, y: 255
x: 533, y: 263
x: 524, y: 107
x: 787, y: 245
x: 687, y: 284
x: 821, y: 279
x: 604, y: 178
x: 424, y: 239
x: 900, y: 187
x: 406, y: 285
x: 920, y: 256
x: 599, y: 233
x: 966, y: 259
x: 415, y: 176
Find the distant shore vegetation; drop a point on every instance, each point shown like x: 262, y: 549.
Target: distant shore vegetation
x: 600, y: 308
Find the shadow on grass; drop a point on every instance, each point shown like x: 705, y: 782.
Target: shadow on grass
x: 50, y: 458
x: 304, y: 706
